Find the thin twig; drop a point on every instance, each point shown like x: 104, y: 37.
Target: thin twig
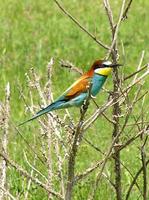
x: 29, y: 181
x: 28, y: 176
x: 109, y: 14
x: 33, y: 167
x: 136, y: 72
x: 119, y: 149
x: 116, y: 29
x: 134, y: 180
x: 143, y: 159
x: 125, y: 14
x: 99, y: 163
x: 7, y: 193
x: 27, y: 143
x: 71, y: 66
x: 80, y: 26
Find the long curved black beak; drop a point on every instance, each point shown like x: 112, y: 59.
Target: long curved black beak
x: 115, y: 65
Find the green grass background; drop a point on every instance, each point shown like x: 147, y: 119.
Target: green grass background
x: 31, y: 32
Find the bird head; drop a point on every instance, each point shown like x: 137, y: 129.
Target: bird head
x: 103, y: 67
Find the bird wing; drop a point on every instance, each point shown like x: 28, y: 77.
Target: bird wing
x: 80, y: 86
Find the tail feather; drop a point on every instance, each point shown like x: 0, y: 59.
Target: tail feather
x: 41, y: 112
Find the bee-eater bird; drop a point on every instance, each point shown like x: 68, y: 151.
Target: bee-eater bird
x: 78, y: 91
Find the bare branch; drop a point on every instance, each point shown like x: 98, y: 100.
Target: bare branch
x: 115, y: 34
x: 3, y: 166
x: 126, y: 10
x: 143, y: 159
x: 29, y: 181
x: 99, y: 163
x: 27, y: 143
x: 33, y: 168
x: 119, y: 149
x: 136, y: 72
x: 109, y: 14
x: 71, y: 67
x: 81, y: 26
x: 28, y: 176
x: 134, y: 180
x: 7, y: 193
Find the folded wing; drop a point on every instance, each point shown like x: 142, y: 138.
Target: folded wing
x: 80, y: 86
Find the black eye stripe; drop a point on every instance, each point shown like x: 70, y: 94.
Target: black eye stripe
x: 102, y: 66
x: 105, y: 66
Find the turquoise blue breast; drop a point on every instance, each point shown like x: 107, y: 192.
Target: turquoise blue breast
x: 97, y: 83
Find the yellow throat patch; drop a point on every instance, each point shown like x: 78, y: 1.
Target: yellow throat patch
x: 104, y: 71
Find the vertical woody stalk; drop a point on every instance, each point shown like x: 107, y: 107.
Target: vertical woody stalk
x: 49, y: 125
x: 116, y: 85
x: 53, y: 124
x: 116, y: 107
x: 74, y: 149
x: 116, y: 113
x: 4, y: 141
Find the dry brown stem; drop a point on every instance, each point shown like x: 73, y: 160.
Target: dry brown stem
x: 71, y: 66
x: 3, y: 166
x: 73, y: 151
x: 28, y: 176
